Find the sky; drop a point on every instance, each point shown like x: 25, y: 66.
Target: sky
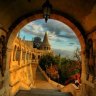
x: 61, y: 37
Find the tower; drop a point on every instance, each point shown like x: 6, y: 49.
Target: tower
x: 45, y: 44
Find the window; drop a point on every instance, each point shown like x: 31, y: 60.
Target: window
x: 18, y: 54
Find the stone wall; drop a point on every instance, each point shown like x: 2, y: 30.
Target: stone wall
x: 88, y: 82
x: 22, y: 66
x: 3, y: 73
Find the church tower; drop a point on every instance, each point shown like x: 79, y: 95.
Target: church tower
x: 45, y: 44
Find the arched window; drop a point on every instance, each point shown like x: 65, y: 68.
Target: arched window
x: 33, y: 56
x: 38, y: 56
x: 18, y: 54
x: 27, y: 55
x: 44, y: 48
x: 30, y: 56
x: 23, y: 54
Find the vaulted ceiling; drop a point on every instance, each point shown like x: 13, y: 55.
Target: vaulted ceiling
x: 83, y: 11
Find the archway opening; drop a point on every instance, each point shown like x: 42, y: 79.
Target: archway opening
x: 34, y: 17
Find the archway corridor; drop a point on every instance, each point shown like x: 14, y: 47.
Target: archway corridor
x: 17, y: 75
x: 24, y: 62
x: 25, y: 68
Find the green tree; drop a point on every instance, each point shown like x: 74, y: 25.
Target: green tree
x: 37, y: 42
x: 47, y: 60
x: 67, y: 68
x: 77, y: 57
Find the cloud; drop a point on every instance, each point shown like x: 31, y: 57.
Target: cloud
x: 56, y: 30
x: 64, y: 53
x: 59, y: 34
x: 60, y: 29
x: 25, y: 30
x: 34, y: 30
x: 71, y: 43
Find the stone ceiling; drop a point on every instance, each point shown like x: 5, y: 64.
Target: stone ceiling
x: 83, y: 11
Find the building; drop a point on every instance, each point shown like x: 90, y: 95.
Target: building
x: 25, y: 57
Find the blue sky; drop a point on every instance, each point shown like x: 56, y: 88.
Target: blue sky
x: 61, y: 37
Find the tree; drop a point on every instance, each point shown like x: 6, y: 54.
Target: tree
x: 48, y: 64
x: 77, y: 56
x: 67, y: 69
x: 46, y: 60
x: 37, y: 42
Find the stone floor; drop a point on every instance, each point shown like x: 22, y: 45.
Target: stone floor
x: 41, y: 82
x: 42, y: 92
x: 42, y: 88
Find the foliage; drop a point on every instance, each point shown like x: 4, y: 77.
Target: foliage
x: 46, y: 60
x: 66, y: 66
x: 37, y: 42
x: 77, y: 56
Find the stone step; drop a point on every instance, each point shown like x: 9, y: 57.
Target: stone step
x: 41, y: 92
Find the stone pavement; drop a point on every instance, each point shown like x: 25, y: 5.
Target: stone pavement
x: 41, y: 81
x: 42, y: 88
x: 41, y: 92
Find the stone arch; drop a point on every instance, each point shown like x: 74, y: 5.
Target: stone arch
x: 57, y: 16
x: 72, y: 23
x: 33, y: 56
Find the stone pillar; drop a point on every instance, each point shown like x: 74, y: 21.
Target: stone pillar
x: 83, y: 74
x: 6, y: 82
x: 95, y: 87
x: 94, y: 50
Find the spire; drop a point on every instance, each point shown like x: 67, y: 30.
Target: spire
x: 45, y: 40
x: 45, y: 44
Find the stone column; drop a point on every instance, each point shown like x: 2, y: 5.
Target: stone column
x: 94, y: 50
x: 84, y: 69
x: 83, y: 74
x: 7, y: 74
x: 95, y: 87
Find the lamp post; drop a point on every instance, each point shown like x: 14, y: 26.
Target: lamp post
x: 46, y: 7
